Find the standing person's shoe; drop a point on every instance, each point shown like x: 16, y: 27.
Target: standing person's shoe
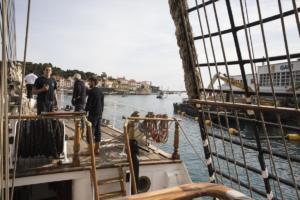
x: 97, y: 148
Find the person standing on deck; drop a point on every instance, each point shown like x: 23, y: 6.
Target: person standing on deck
x: 29, y: 81
x: 45, y: 88
x: 79, y: 93
x: 94, y: 108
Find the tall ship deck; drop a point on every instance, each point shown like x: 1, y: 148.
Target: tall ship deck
x: 221, y: 43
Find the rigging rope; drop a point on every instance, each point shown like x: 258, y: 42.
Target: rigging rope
x: 193, y: 78
x: 246, y: 26
x: 4, y: 145
x: 189, y: 141
x: 21, y: 97
x: 261, y: 158
x: 215, y: 98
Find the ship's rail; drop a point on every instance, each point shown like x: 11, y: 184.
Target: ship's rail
x: 190, y: 191
x: 78, y: 117
x: 232, y: 38
x: 152, y: 120
x: 27, y: 165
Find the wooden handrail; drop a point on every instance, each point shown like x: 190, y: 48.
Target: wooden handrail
x: 59, y: 115
x: 76, y: 144
x: 129, y: 158
x: 175, y: 155
x: 77, y: 116
x: 93, y: 160
x: 190, y: 191
x: 153, y: 118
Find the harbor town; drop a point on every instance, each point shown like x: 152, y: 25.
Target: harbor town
x: 112, y: 86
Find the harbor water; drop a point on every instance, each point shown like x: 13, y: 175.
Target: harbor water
x: 117, y: 107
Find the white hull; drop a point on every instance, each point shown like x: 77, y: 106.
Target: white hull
x: 161, y: 176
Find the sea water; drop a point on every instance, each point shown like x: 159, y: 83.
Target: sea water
x: 117, y: 107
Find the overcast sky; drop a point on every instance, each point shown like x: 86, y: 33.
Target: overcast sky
x: 136, y: 38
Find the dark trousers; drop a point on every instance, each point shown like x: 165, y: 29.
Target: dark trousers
x: 44, y: 106
x: 29, y: 90
x: 134, y: 147
x: 79, y: 108
x: 96, y: 127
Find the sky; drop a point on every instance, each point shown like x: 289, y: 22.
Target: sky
x: 273, y: 33
x: 135, y: 39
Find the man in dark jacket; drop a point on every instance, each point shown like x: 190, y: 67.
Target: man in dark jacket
x: 79, y: 93
x: 45, y: 88
x: 94, y: 107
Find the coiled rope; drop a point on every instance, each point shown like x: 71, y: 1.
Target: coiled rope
x: 157, y: 130
x: 42, y: 137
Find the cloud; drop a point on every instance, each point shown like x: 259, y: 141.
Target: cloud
x: 135, y: 39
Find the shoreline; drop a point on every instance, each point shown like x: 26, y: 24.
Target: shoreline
x: 123, y: 93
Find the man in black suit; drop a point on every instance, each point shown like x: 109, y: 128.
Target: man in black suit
x: 79, y: 93
x: 94, y: 108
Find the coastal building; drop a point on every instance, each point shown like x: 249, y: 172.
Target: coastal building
x: 59, y: 81
x: 100, y: 83
x: 282, y: 80
x: 115, y: 83
x: 120, y: 84
x: 280, y: 74
x: 138, y: 85
x: 108, y: 84
x: 132, y: 84
x: 154, y: 89
x: 146, y: 85
x: 63, y: 83
x: 69, y: 82
x: 123, y: 83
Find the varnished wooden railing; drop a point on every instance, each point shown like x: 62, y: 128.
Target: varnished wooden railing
x: 175, y: 154
x: 77, y: 116
x: 129, y: 158
x: 190, y: 191
x: 128, y: 120
x: 76, y: 144
x: 93, y: 159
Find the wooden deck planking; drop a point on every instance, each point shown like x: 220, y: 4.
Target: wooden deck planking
x: 111, y: 153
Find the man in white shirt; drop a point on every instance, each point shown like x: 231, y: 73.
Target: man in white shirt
x: 29, y: 80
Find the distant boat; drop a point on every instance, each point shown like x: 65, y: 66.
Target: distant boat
x: 125, y: 94
x: 161, y: 95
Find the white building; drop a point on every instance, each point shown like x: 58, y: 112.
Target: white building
x: 280, y: 75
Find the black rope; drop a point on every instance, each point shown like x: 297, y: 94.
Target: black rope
x: 42, y: 137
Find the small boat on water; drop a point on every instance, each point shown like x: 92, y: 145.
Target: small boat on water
x: 161, y: 95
